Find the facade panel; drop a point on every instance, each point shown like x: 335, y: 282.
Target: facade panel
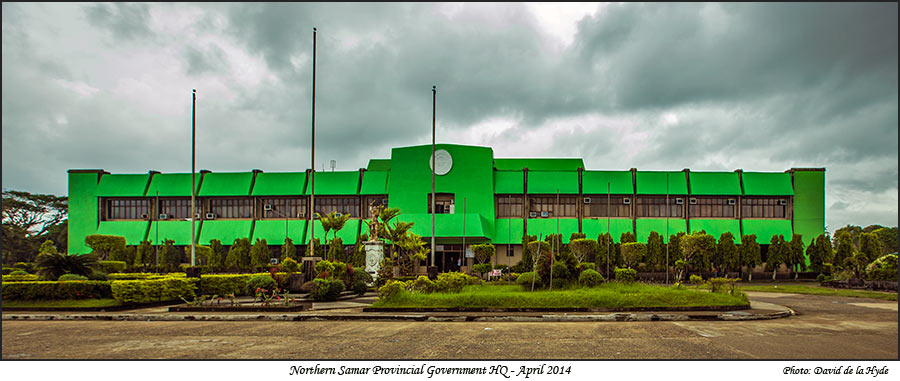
x: 765, y: 229
x: 592, y: 228
x: 809, y: 204
x: 273, y: 231
x: 648, y: 182
x: 279, y: 184
x: 659, y: 225
x: 716, y: 227
x: 715, y: 183
x: 602, y: 182
x: 133, y: 231
x: 122, y: 185
x: 767, y: 184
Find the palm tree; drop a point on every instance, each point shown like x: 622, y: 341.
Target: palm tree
x: 53, y: 265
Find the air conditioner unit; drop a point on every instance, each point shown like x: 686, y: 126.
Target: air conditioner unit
x: 782, y: 202
x: 210, y: 216
x: 301, y: 214
x: 267, y: 207
x: 587, y: 200
x: 338, y: 214
x: 693, y: 201
x: 273, y: 261
x: 731, y: 201
x: 545, y: 214
x: 145, y: 216
x: 626, y: 201
x: 679, y: 201
x: 164, y: 216
x: 532, y: 214
x: 196, y: 216
x: 384, y: 201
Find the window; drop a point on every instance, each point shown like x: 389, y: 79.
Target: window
x: 597, y: 207
x: 443, y: 203
x: 342, y: 205
x: 655, y: 206
x: 177, y: 207
x: 127, y: 209
x: 374, y: 201
x: 759, y: 207
x: 549, y: 204
x: 510, y: 206
x: 284, y: 207
x: 230, y: 207
x: 712, y: 207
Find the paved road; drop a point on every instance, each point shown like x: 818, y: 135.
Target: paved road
x: 825, y: 328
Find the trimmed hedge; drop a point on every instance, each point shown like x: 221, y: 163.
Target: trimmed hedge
x: 112, y: 266
x: 71, y: 277
x: 327, y: 289
x: 224, y: 284
x: 625, y: 275
x: 20, y: 278
x: 143, y: 291
x: 79, y: 289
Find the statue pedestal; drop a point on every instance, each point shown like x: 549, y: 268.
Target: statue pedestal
x: 374, y: 255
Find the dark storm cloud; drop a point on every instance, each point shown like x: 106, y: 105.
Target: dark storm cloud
x: 125, y: 20
x: 200, y: 61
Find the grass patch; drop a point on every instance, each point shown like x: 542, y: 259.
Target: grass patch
x: 61, y: 303
x: 608, y: 295
x: 822, y: 291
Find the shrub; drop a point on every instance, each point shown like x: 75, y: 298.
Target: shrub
x: 526, y: 279
x: 422, y: 285
x: 361, y: 280
x: 82, y: 289
x: 720, y: 284
x: 559, y: 283
x: 69, y: 277
x: 625, y: 275
x: 289, y: 265
x: 484, y: 252
x: 26, y: 266
x: 324, y: 267
x: 633, y: 253
x: 8, y: 270
x: 696, y: 279
x: 451, y: 282
x: 54, y: 265
x: 112, y: 266
x: 97, y: 275
x: 560, y: 271
x: 224, y: 284
x: 19, y: 272
x: 586, y: 266
x: 143, y: 291
x: 327, y: 289
x: 482, y: 268
x: 821, y: 278
x: 391, y: 289
x: 884, y: 268
x: 105, y: 246
x: 590, y: 278
x: 260, y: 281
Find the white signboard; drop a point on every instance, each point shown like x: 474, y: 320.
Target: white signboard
x: 469, y: 253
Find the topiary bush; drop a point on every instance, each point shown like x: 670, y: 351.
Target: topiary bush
x: 525, y: 279
x: 327, y: 289
x: 28, y: 267
x: 884, y: 268
x: 361, y: 281
x: 260, y: 281
x: 560, y: 271
x: 224, y: 284
x: 696, y: 279
x: 590, y: 278
x: 8, y: 270
x: 482, y: 268
x: 144, y: 291
x: 452, y: 282
x: 324, y: 269
x: 68, y: 277
x: 20, y: 278
x: 19, y: 272
x: 625, y: 275
x: 112, y: 266
x: 391, y: 289
x: 290, y: 266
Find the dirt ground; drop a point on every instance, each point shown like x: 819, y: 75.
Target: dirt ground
x: 826, y: 327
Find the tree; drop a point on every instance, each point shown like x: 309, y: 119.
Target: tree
x: 484, y: 252
x: 336, y: 249
x: 656, y: 251
x: 823, y: 243
x: 605, y: 253
x: 259, y: 255
x: 870, y: 246
x: 238, y: 258
x: 728, y: 251
x: 527, y: 262
x: 888, y: 238
x: 584, y: 250
x: 48, y: 248
x: 288, y: 250
x: 627, y: 237
x: 30, y: 219
x: 675, y: 247
x: 778, y: 254
x: 795, y: 259
x: 217, y: 255
x: 632, y: 253
x: 816, y: 259
x: 106, y: 246
x: 543, y: 252
x: 412, y: 251
x: 53, y: 265
x: 844, y: 249
x: 171, y: 256
x: 853, y: 232
x: 144, y: 255
x: 750, y: 254
x: 320, y: 249
x: 697, y: 249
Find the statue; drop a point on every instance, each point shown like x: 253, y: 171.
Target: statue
x: 374, y: 247
x: 374, y: 212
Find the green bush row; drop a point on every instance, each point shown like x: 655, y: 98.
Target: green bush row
x: 451, y: 282
x: 139, y: 276
x: 19, y: 277
x: 81, y: 289
x: 143, y: 291
x: 224, y: 284
x: 112, y: 266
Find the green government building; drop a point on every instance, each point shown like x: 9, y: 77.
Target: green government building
x: 479, y: 199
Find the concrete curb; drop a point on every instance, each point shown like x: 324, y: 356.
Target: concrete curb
x: 613, y: 317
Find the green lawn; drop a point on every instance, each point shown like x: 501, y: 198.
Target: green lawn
x: 60, y: 303
x: 821, y: 291
x: 608, y: 295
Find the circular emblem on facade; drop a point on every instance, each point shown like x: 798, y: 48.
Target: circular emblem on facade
x: 442, y: 162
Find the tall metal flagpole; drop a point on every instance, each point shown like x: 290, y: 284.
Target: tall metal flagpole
x: 312, y: 161
x: 157, y: 232
x: 193, y: 177
x: 433, y: 118
x: 555, y: 246
x: 608, y: 236
x: 509, y: 239
x: 464, y: 232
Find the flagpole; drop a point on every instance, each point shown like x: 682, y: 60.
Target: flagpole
x: 464, y: 232
x: 668, y: 211
x: 157, y: 232
x: 509, y: 239
x: 193, y: 176
x: 433, y: 118
x: 312, y: 160
x: 608, y: 236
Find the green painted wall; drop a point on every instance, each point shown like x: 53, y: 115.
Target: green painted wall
x: 83, y: 210
x: 178, y: 231
x: 471, y: 177
x: 534, y: 164
x: 650, y: 182
x: 122, y: 185
x: 374, y: 183
x: 273, y: 231
x: 509, y: 182
x: 613, y: 182
x: 647, y: 225
x: 765, y: 229
x: 172, y: 184
x: 809, y: 204
x: 133, y: 231
x: 716, y: 227
x: 336, y: 183
x: 767, y: 184
x: 543, y: 227
x: 551, y: 182
x: 715, y: 183
x: 223, y: 230
x: 226, y: 184
x: 593, y: 227
x: 508, y: 231
x: 279, y: 184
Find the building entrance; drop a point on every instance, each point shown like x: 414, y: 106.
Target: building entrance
x: 450, y: 257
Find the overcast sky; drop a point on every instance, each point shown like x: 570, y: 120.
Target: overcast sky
x: 762, y: 87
